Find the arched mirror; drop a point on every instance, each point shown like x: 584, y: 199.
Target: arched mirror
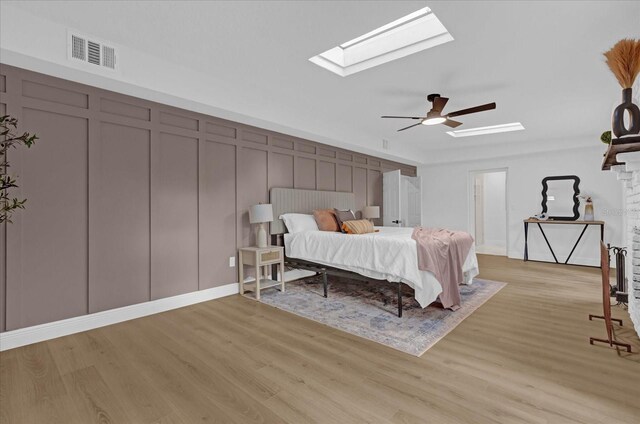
x: 560, y: 197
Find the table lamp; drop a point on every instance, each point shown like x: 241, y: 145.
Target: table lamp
x: 371, y: 212
x: 260, y: 214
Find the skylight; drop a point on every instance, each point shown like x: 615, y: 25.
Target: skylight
x: 514, y: 126
x: 410, y: 34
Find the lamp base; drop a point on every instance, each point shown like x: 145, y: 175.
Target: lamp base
x: 261, y: 236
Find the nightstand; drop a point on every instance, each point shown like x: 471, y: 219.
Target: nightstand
x: 261, y: 258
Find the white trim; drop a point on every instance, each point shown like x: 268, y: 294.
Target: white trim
x: 52, y: 330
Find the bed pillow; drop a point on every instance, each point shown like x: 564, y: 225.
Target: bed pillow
x: 298, y: 222
x: 359, y: 226
x: 326, y: 220
x: 342, y: 216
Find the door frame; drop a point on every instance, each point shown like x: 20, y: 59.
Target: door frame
x: 385, y: 208
x: 471, y: 204
x: 405, y: 223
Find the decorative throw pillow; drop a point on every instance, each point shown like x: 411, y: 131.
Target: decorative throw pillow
x: 342, y: 216
x: 326, y: 220
x: 298, y: 222
x: 360, y: 226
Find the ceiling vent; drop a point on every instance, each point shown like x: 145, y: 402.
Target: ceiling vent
x: 91, y: 51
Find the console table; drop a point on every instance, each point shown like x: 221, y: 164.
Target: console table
x: 558, y: 222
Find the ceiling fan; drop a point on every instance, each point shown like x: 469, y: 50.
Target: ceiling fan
x: 435, y: 116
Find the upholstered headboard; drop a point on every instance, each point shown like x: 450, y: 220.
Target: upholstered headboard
x: 292, y: 200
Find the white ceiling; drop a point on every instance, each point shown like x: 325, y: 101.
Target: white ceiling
x: 541, y: 62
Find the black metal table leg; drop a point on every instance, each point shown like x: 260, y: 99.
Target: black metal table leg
x: 399, y: 300
x: 548, y: 244
x: 576, y: 245
x: 324, y: 282
x: 274, y: 267
x: 526, y: 241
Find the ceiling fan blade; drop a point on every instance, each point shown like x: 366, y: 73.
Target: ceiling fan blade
x: 451, y: 123
x: 439, y: 103
x: 410, y: 126
x: 403, y: 117
x: 480, y: 108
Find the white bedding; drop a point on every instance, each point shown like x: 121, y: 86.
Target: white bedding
x: 387, y: 255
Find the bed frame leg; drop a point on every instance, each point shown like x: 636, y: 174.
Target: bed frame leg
x: 399, y: 300
x: 324, y: 281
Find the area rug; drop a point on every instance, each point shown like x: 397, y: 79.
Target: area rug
x: 369, y: 310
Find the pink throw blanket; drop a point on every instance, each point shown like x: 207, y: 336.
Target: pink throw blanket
x: 443, y: 252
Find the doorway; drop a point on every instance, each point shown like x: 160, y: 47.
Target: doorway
x: 488, y: 211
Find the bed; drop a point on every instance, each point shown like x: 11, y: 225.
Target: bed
x: 388, y: 255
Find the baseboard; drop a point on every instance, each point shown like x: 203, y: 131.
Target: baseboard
x: 52, y: 330
x: 495, y: 243
x: 575, y: 260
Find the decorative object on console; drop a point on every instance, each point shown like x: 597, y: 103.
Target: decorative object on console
x: 588, y: 208
x: 605, y: 137
x: 371, y: 212
x: 540, y: 217
x: 624, y: 62
x: 560, y: 197
x: 261, y: 214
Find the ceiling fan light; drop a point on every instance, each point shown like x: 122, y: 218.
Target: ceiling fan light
x: 434, y: 121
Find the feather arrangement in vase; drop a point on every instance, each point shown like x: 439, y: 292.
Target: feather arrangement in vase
x: 624, y: 61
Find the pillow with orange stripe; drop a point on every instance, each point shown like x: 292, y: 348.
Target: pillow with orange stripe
x: 359, y: 226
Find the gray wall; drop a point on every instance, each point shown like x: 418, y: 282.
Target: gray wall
x: 130, y: 200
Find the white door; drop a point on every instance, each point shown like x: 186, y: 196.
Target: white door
x: 478, y: 187
x: 391, y: 190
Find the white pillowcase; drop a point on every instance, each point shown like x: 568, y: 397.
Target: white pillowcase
x: 298, y: 222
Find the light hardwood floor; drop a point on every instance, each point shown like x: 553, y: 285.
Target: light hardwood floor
x: 523, y: 357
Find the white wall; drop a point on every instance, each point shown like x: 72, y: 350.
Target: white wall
x: 446, y: 200
x: 495, y: 214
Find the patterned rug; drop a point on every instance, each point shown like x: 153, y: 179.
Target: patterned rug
x: 369, y: 310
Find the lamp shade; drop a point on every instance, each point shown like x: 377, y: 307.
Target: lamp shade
x: 371, y: 212
x: 260, y: 213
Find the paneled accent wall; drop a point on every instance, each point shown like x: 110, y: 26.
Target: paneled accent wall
x: 131, y: 201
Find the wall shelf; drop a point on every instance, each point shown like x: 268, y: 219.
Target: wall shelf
x: 619, y: 145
